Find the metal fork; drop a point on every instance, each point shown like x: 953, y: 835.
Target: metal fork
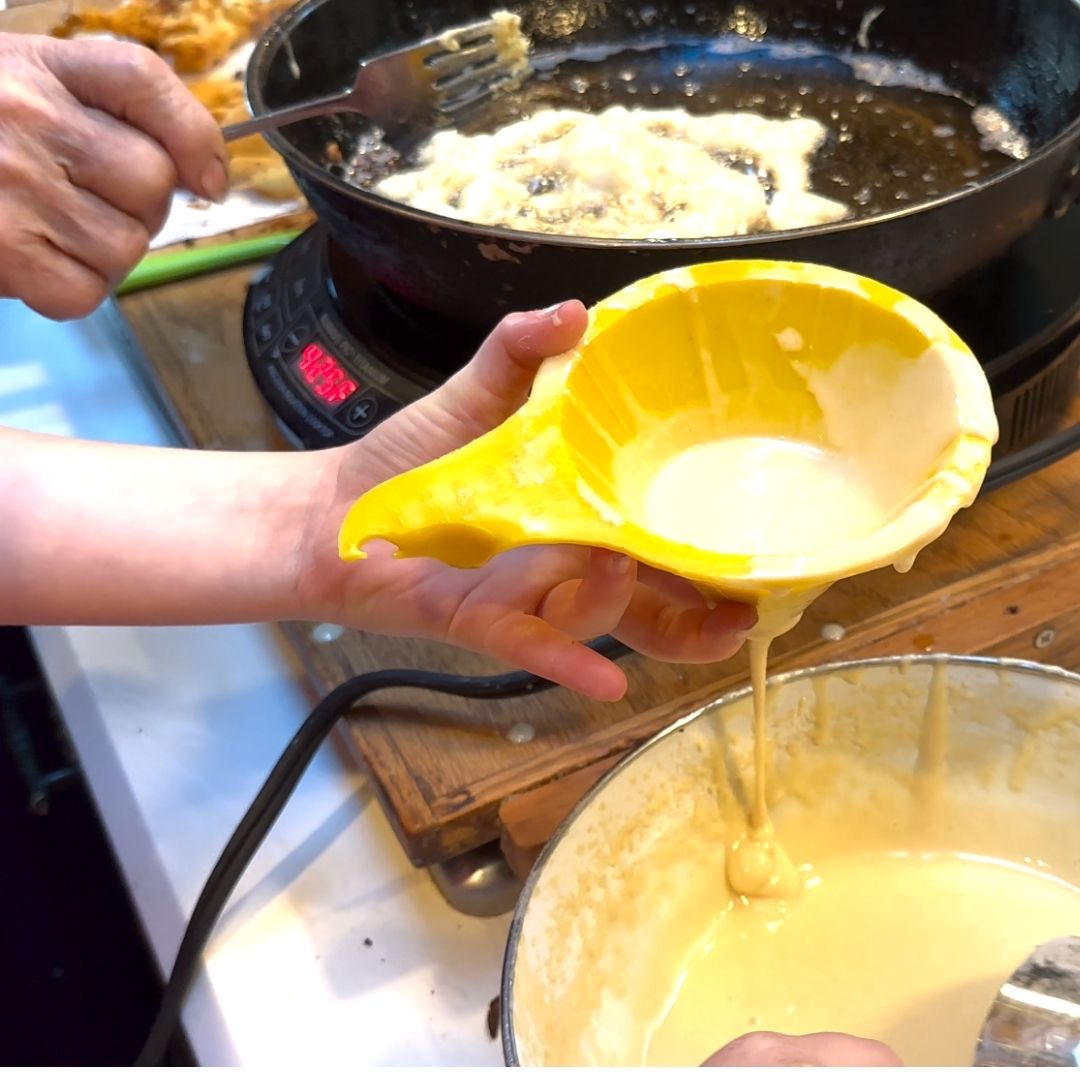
x: 453, y: 71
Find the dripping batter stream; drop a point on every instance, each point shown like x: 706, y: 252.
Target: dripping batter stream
x: 757, y: 866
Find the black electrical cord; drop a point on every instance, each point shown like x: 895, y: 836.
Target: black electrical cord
x: 278, y: 788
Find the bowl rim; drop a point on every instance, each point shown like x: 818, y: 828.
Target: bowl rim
x: 1050, y: 672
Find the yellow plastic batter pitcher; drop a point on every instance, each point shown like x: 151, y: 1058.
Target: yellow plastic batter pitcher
x: 762, y: 429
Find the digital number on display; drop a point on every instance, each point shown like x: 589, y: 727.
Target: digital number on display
x: 328, y: 380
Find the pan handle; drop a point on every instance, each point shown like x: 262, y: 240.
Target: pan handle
x: 1033, y: 458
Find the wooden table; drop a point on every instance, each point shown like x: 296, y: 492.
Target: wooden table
x: 1004, y: 581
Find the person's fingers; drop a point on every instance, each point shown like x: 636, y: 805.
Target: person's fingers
x: 496, y: 381
x: 662, y: 630
x: 91, y: 232
x: 827, y: 1048
x: 134, y: 85
x: 118, y: 163
x: 527, y: 641
x: 676, y: 589
x: 49, y: 281
x: 594, y: 604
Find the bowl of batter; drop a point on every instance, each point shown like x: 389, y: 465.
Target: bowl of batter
x: 926, y: 808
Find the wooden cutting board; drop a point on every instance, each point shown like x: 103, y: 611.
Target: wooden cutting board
x: 1005, y: 581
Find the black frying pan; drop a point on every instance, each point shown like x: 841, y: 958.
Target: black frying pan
x: 935, y: 208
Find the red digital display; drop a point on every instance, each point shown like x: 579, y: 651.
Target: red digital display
x: 326, y: 377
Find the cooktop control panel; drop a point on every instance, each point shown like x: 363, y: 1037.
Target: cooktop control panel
x: 325, y: 387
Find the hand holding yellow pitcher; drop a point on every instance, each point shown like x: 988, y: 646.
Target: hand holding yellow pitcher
x: 760, y: 429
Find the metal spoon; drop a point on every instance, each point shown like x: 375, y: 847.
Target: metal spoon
x: 1035, y: 1019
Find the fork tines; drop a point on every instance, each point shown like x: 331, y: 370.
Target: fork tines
x: 446, y: 67
x: 470, y: 63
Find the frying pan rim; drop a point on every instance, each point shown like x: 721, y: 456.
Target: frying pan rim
x: 279, y: 31
x: 506, y: 987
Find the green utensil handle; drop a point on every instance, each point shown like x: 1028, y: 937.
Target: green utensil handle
x: 163, y: 267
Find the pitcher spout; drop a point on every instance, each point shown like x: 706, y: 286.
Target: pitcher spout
x: 507, y: 489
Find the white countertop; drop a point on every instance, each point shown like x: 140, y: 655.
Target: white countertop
x: 176, y: 728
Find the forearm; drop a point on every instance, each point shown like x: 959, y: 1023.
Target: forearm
x: 93, y: 533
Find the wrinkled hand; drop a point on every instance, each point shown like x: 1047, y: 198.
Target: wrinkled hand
x: 528, y: 608
x: 826, y: 1048
x: 94, y: 138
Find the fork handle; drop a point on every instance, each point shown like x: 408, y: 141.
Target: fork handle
x: 290, y: 114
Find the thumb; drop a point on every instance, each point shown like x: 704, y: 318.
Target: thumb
x: 496, y: 382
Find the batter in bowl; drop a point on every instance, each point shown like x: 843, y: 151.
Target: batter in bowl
x: 890, y: 933
x: 907, y: 916
x: 929, y: 814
